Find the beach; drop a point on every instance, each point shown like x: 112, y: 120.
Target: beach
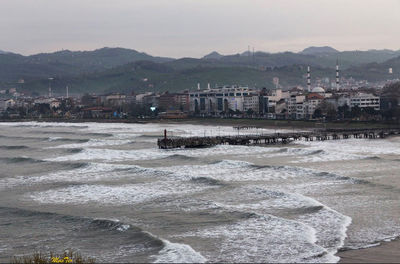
x: 387, y: 252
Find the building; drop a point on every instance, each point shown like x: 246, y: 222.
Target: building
x: 295, y: 105
x: 364, y: 100
x: 216, y: 101
x: 97, y: 112
x: 6, y: 103
x: 251, y: 102
x: 174, y: 101
x: 313, y: 101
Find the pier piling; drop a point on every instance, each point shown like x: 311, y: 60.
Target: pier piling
x: 273, y: 138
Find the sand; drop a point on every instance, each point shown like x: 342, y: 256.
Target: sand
x: 387, y: 252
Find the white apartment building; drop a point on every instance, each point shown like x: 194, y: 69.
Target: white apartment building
x: 295, y: 104
x: 251, y: 102
x: 221, y: 99
x: 364, y: 100
x: 6, y: 103
x: 275, y: 96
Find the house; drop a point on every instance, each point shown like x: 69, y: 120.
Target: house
x: 97, y: 112
x: 6, y: 103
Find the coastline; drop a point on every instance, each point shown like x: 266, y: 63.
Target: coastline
x: 259, y: 123
x: 386, y: 252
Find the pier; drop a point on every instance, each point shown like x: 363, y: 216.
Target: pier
x: 273, y: 138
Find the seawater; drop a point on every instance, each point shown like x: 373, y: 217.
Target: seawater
x: 107, y: 191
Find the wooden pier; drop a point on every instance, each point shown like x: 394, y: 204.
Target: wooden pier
x: 274, y: 138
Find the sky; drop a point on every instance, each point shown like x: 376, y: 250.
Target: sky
x: 194, y: 28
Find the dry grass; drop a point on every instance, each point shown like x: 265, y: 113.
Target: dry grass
x: 68, y: 256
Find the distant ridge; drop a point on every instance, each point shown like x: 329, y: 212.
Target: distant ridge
x: 318, y: 50
x: 119, y: 69
x: 213, y: 55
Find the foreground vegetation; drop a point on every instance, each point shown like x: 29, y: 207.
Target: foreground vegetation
x: 67, y: 257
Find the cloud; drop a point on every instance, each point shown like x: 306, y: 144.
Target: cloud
x: 192, y: 28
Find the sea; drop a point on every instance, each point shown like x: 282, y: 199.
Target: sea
x: 107, y: 191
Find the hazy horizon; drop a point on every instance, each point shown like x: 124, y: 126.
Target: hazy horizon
x: 189, y: 28
x: 161, y: 55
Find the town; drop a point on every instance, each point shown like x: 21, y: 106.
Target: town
x: 342, y: 99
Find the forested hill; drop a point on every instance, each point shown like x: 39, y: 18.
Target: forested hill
x: 117, y: 69
x: 67, y: 63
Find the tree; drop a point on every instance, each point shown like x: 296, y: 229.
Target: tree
x: 86, y: 100
x: 331, y: 114
x: 318, y: 113
x: 355, y: 112
x: 370, y: 111
x: 250, y: 112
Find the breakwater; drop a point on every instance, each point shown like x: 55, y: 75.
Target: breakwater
x: 274, y: 138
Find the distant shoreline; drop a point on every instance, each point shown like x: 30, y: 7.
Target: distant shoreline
x: 259, y: 123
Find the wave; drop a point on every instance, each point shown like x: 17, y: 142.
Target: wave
x: 14, y: 147
x: 341, y: 178
x: 60, y: 139
x: 207, y: 181
x: 180, y: 157
x: 371, y: 244
x: 74, y: 150
x: 19, y: 160
x: 87, y: 143
x: 99, y: 134
x: 56, y: 139
x: 25, y: 138
x: 319, y: 151
x: 373, y: 158
x: 73, y: 165
x: 58, y: 132
x: 48, y: 125
x: 178, y: 253
x: 126, y: 241
x: 263, y: 238
x: 125, y: 244
x: 111, y: 225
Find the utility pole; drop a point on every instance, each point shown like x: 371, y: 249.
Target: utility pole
x: 50, y: 79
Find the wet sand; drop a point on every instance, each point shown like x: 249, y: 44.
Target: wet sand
x: 387, y: 252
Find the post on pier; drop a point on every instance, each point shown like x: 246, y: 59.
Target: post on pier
x: 165, y: 138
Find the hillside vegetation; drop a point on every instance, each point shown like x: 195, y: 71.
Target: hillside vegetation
x: 123, y: 70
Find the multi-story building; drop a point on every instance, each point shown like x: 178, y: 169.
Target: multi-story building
x: 313, y: 100
x: 6, y: 103
x: 270, y: 101
x: 295, y: 105
x: 174, y: 101
x: 364, y: 100
x: 223, y: 99
x: 251, y: 102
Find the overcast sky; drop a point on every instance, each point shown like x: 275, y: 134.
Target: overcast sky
x: 193, y: 28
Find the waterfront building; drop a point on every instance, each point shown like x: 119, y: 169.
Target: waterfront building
x: 364, y: 100
x: 224, y: 99
x: 6, y: 103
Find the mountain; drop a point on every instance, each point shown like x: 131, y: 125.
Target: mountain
x: 377, y: 71
x: 213, y: 56
x: 117, y: 69
x: 183, y: 74
x: 318, y: 50
x: 145, y: 76
x: 3, y: 52
x: 62, y: 63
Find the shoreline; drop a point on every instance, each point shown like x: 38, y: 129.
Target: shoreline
x: 386, y: 252
x: 259, y: 123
